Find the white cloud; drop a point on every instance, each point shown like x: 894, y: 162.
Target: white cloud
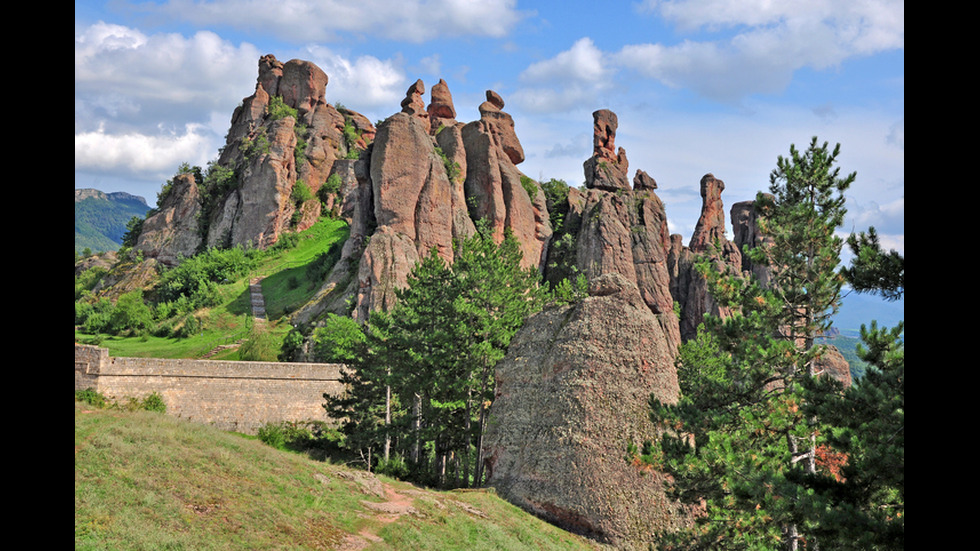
x: 365, y: 83
x: 123, y: 76
x: 139, y: 153
x: 743, y: 47
x: 575, y: 77
x: 322, y: 20
x: 583, y: 62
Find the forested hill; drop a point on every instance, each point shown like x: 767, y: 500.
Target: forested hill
x: 100, y: 218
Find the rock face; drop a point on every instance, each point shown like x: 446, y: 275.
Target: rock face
x: 746, y: 234
x: 172, y: 232
x: 572, y: 392
x: 413, y: 209
x: 255, y: 191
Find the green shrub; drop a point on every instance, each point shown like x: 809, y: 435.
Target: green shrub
x: 277, y: 109
x: 130, y: 314
x: 452, y: 167
x: 395, y: 467
x: 530, y: 186
x: 91, y: 397
x: 332, y: 185
x: 301, y: 192
x: 153, y: 402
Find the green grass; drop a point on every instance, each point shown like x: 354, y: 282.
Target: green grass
x: 149, y: 481
x: 285, y: 287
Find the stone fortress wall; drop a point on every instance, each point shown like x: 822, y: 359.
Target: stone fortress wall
x: 237, y: 396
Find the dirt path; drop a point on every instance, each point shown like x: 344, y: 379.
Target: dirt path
x: 385, y: 512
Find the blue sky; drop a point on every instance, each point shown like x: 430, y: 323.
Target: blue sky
x: 719, y: 86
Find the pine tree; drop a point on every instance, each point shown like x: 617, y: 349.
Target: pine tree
x: 741, y: 432
x: 428, y: 362
x: 860, y: 505
x: 872, y: 270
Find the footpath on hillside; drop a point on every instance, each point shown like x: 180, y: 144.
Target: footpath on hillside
x: 257, y: 299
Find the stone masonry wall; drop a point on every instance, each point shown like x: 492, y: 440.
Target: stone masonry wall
x: 238, y: 396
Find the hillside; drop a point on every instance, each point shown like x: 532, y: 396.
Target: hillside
x: 100, y: 218
x: 233, y: 492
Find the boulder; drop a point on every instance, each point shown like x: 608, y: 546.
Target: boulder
x: 572, y: 393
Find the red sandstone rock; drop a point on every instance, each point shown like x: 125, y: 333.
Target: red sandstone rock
x: 441, y: 111
x: 572, y: 393
x: 709, y: 240
x: 303, y: 87
x: 172, y: 232
x: 607, y: 168
x: 414, y: 105
x: 494, y: 184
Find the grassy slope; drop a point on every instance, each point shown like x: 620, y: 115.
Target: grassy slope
x: 149, y: 481
x: 228, y: 321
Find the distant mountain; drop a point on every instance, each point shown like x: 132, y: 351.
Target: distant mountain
x: 859, y: 309
x: 100, y: 218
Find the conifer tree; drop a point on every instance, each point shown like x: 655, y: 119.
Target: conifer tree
x: 740, y: 431
x: 428, y: 362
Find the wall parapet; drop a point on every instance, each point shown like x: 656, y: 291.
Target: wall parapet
x: 238, y: 396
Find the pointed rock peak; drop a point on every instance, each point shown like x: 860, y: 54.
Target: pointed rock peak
x: 643, y: 181
x: 414, y: 105
x: 270, y: 72
x: 607, y: 168
x: 711, y: 187
x: 711, y: 225
x: 441, y: 110
x: 501, y: 126
x: 604, y: 125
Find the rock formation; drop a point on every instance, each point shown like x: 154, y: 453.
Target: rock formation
x: 249, y: 195
x: 620, y: 230
x: 607, y: 168
x: 501, y: 195
x: 572, y: 393
x: 172, y: 232
x: 709, y: 242
x: 442, y: 112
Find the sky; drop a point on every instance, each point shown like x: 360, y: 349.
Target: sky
x: 699, y: 86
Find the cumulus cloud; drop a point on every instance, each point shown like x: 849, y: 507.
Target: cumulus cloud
x: 574, y: 77
x: 737, y: 48
x: 325, y: 20
x: 365, y: 83
x: 123, y: 76
x: 139, y: 153
x: 131, y: 87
